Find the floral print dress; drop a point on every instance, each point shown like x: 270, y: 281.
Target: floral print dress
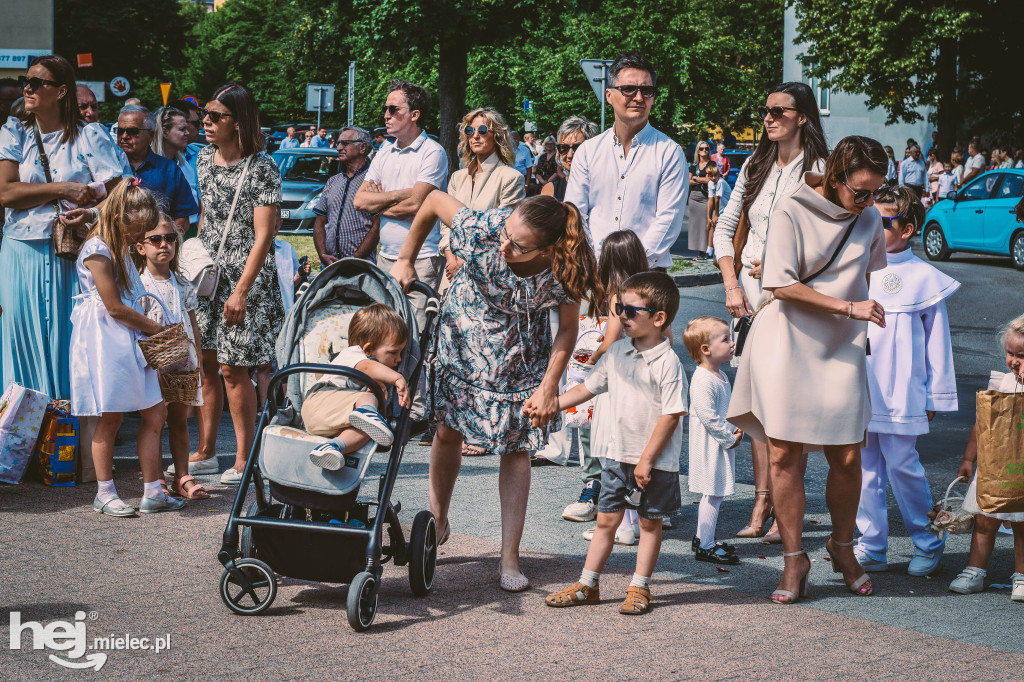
x: 493, y: 340
x: 251, y: 342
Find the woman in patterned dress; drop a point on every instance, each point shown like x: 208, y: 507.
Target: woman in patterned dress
x: 239, y: 324
x: 497, y: 367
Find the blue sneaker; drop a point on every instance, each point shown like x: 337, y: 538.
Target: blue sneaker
x: 925, y: 563
x: 368, y: 420
x: 868, y: 563
x: 584, y: 509
x: 327, y: 456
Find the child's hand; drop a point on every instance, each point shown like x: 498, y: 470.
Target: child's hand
x: 642, y: 473
x: 966, y: 470
x: 739, y: 438
x: 402, y: 390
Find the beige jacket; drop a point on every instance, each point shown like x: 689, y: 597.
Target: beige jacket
x: 496, y: 185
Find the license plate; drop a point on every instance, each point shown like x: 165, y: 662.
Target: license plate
x: 286, y: 214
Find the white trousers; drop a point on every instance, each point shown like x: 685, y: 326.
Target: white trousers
x: 893, y: 459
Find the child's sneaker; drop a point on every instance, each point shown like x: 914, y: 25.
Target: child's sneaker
x: 576, y: 594
x: 969, y: 581
x: 585, y: 509
x: 368, y: 420
x: 1018, y: 587
x: 327, y: 456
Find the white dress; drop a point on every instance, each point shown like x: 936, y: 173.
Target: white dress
x: 712, y: 465
x: 180, y: 299
x: 1004, y: 382
x: 108, y: 372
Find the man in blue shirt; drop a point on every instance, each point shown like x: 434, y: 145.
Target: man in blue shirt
x: 524, y: 157
x: 913, y: 172
x: 158, y: 174
x: 291, y: 141
x: 320, y: 140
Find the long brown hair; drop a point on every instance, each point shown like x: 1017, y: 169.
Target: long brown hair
x: 853, y: 153
x: 128, y: 204
x: 63, y: 73
x: 573, y: 262
x: 622, y: 256
x: 242, y: 105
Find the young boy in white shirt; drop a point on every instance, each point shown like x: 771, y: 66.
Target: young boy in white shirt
x: 910, y: 376
x: 718, y: 196
x: 947, y: 182
x: 641, y: 449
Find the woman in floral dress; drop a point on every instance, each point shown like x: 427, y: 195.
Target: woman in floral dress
x: 497, y: 366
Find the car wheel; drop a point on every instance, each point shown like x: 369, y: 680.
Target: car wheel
x: 935, y: 243
x: 1017, y: 250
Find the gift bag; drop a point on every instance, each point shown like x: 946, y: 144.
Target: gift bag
x: 21, y: 415
x: 1000, y: 425
x: 57, y: 447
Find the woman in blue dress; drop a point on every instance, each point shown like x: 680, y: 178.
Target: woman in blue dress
x: 497, y: 366
x: 37, y: 290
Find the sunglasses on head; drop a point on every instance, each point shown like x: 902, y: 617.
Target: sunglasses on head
x: 391, y: 109
x: 130, y: 132
x: 889, y: 222
x: 776, y: 112
x: 470, y: 130
x: 630, y: 311
x: 215, y: 116
x: 629, y: 91
x: 861, y: 196
x: 158, y: 239
x: 564, y: 148
x: 35, y: 83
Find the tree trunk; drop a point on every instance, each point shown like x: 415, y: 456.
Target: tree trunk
x: 451, y: 94
x: 946, y: 107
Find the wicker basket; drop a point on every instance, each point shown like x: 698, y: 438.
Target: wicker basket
x: 167, y: 347
x: 179, y: 387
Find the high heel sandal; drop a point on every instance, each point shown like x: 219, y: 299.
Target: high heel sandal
x: 791, y: 598
x: 862, y: 586
x: 758, y: 531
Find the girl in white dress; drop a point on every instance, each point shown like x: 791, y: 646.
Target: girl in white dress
x: 109, y: 376
x: 712, y: 439
x: 157, y: 254
x: 986, y: 525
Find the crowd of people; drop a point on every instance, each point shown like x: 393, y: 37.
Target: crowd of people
x: 533, y: 244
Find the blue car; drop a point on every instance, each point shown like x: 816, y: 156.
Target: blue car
x: 980, y: 218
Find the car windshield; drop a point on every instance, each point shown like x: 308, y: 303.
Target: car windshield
x: 307, y: 167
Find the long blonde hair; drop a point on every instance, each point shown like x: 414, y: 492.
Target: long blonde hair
x: 127, y: 204
x: 502, y: 141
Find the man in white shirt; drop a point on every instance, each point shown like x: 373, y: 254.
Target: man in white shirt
x: 913, y: 172
x: 631, y: 176
x: 975, y: 165
x: 403, y: 172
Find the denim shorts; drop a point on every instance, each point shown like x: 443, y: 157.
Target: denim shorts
x: 660, y: 498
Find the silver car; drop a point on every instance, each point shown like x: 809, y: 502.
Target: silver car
x: 304, y: 172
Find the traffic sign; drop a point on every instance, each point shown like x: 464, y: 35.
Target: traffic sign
x: 165, y: 90
x: 596, y: 71
x: 84, y: 60
x: 320, y: 97
x: 191, y: 98
x: 120, y: 86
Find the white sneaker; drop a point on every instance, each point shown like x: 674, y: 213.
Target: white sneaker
x: 584, y: 509
x: 203, y: 466
x: 327, y: 456
x: 627, y: 536
x: 231, y: 476
x: 666, y: 523
x: 369, y: 421
x: 1018, y: 587
x: 588, y: 534
x: 969, y: 581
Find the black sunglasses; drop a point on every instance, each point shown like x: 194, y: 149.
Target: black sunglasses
x: 391, y: 109
x: 630, y: 311
x: 35, y: 83
x: 130, y: 132
x: 862, y: 195
x: 776, y: 112
x: 215, y: 116
x: 564, y: 148
x: 629, y: 91
x: 158, y: 239
x: 470, y: 130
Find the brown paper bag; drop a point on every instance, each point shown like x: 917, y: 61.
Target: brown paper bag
x: 86, y: 468
x: 1000, y: 424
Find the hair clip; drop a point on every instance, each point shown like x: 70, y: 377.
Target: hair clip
x: 136, y: 181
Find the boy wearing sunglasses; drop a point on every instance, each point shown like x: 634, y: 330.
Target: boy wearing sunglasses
x: 640, y: 440
x: 910, y: 375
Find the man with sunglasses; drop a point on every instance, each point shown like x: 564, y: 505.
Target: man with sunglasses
x: 158, y: 174
x: 631, y: 177
x: 341, y: 231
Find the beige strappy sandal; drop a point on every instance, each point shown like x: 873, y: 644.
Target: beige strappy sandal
x: 785, y: 596
x: 862, y: 586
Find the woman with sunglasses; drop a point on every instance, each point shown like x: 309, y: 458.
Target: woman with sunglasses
x: 573, y: 132
x: 697, y: 202
x: 802, y: 384
x: 36, y: 296
x: 170, y: 140
x: 791, y: 145
x: 497, y: 366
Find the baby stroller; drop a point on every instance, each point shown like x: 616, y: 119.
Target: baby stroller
x: 307, y: 522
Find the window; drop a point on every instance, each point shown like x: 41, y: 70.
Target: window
x: 980, y: 188
x: 1011, y: 186
x: 822, y: 94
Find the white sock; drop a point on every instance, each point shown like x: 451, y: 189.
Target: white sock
x: 707, y: 520
x: 589, y: 578
x: 710, y: 252
x: 153, y: 491
x: 106, y: 491
x: 643, y: 581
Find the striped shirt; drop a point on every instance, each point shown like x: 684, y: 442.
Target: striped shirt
x: 346, y: 227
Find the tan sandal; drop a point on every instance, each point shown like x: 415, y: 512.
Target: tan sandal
x: 576, y: 594
x: 637, y: 601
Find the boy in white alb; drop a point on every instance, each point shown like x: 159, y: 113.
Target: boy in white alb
x: 910, y: 375
x: 947, y: 182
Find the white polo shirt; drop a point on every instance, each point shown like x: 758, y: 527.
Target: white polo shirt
x: 422, y: 161
x: 641, y: 387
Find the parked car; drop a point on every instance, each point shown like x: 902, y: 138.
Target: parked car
x: 981, y: 218
x: 737, y: 157
x: 304, y: 172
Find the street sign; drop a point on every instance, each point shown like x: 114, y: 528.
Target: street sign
x: 191, y: 98
x: 120, y: 86
x: 596, y: 71
x: 351, y: 93
x: 320, y: 97
x: 99, y: 88
x: 165, y: 90
x: 84, y: 60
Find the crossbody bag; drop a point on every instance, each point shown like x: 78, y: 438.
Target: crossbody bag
x: 67, y: 242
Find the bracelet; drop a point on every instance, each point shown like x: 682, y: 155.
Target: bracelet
x: 850, y: 314
x: 731, y: 288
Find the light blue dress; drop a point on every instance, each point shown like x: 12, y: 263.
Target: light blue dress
x: 36, y: 295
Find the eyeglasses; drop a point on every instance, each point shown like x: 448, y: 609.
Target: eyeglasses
x: 130, y: 132
x: 34, y: 83
x: 214, y: 116
x: 629, y: 91
x: 391, y: 109
x: 630, y: 311
x: 860, y: 196
x: 345, y: 143
x: 564, y: 148
x: 888, y: 222
x: 521, y: 250
x: 158, y: 239
x: 776, y: 112
x: 470, y: 130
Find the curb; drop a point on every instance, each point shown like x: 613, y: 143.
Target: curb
x: 698, y: 280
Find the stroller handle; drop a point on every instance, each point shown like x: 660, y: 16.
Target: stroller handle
x: 433, y: 298
x: 315, y: 368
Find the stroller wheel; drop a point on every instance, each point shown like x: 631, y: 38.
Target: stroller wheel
x: 248, y: 589
x: 362, y: 601
x: 422, y: 553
